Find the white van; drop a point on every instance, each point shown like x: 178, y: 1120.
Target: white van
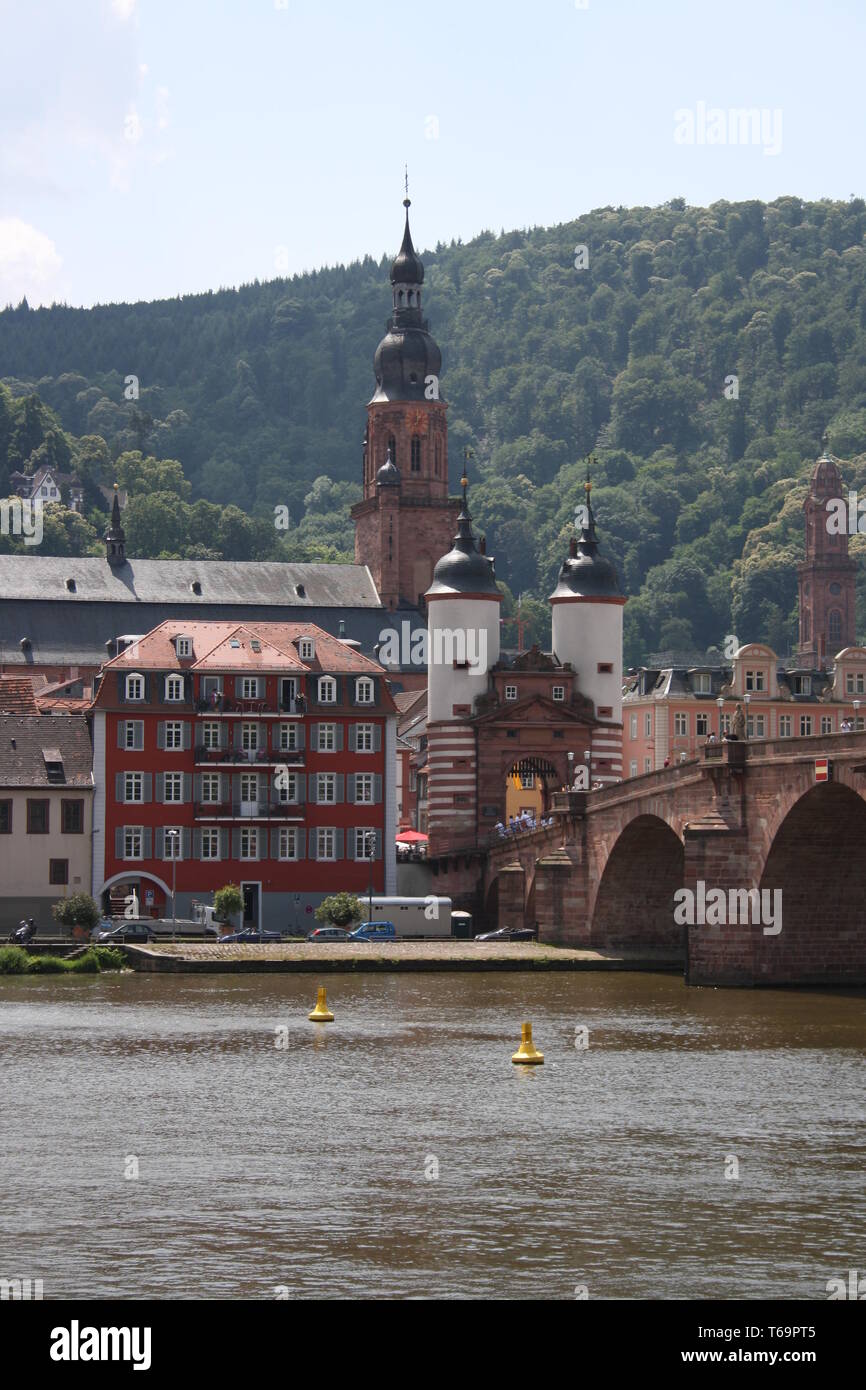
x: 414, y: 918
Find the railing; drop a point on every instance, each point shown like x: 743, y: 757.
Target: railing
x: 246, y: 756
x: 247, y: 810
x: 236, y: 704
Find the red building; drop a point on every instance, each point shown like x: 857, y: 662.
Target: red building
x: 260, y: 754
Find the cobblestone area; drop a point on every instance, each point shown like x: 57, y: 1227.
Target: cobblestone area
x: 443, y: 955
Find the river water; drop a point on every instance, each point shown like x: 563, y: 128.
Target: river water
x: 398, y: 1153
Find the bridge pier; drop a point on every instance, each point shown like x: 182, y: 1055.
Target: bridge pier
x: 719, y: 858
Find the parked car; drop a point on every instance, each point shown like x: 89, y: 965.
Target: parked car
x: 127, y: 931
x: 104, y: 925
x: 328, y: 934
x: 508, y: 934
x: 374, y: 931
x: 249, y: 934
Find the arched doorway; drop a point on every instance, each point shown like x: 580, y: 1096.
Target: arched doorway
x: 152, y: 893
x: 529, y: 783
x: 816, y: 862
x: 634, y: 905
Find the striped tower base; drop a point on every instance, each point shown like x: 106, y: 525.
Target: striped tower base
x: 452, y: 785
x: 606, y: 754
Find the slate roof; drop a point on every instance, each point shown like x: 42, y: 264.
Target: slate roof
x: 25, y: 739
x: 72, y: 627
x: 42, y: 577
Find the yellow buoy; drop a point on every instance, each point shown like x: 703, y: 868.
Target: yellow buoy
x: 321, y: 1013
x: 527, y: 1054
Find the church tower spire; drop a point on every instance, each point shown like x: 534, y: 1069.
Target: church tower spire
x: 826, y: 577
x: 406, y: 518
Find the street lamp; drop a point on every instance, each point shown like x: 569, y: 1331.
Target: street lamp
x: 856, y: 707
x: 721, y: 704
x: 371, y: 850
x: 173, y: 836
x: 570, y: 771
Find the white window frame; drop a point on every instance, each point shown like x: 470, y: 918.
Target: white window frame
x: 172, y: 843
x: 511, y: 692
x: 250, y: 737
x: 134, y: 681
x: 755, y: 679
x: 210, y: 837
x: 681, y: 724
x: 633, y: 768
x: 134, y: 780
x: 287, y: 789
x: 826, y: 723
x: 327, y: 738
x: 633, y: 726
x: 805, y: 726
x: 306, y: 648
x: 647, y: 764
x: 361, y: 833
x: 210, y: 780
x: 210, y: 735
x: 648, y: 724
x: 289, y: 742
x: 131, y: 834
x: 326, y: 780
x: 327, y: 690
x: 172, y: 684
x: 249, y: 687
x: 365, y: 780
x: 288, y: 835
x: 364, y: 732
x: 183, y: 647
x: 558, y: 692
x: 785, y: 726
x: 702, y: 683
x: 174, y: 730
x: 173, y: 779
x: 322, y: 834
x: 131, y: 730
x: 250, y: 836
x: 702, y: 725
x: 365, y: 691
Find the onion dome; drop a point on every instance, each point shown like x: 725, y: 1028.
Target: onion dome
x: 407, y: 355
x: 389, y: 474
x: 465, y: 569
x: 585, y: 573
x: 407, y: 268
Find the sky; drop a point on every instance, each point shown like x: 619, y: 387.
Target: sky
x: 150, y: 148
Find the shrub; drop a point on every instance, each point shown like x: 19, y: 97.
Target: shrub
x: 13, y: 960
x: 79, y: 910
x: 227, y: 901
x: 340, y: 908
x: 109, y: 958
x: 47, y: 965
x: 88, y: 964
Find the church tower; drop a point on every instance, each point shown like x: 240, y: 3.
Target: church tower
x: 406, y: 518
x: 826, y: 576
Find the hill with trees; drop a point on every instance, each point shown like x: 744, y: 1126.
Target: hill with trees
x: 703, y: 355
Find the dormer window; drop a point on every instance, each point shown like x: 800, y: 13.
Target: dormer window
x: 802, y: 685
x: 135, y: 687
x: 755, y: 680
x: 306, y: 648
x: 558, y: 692
x: 174, y: 688
x: 364, y: 691
x: 701, y: 684
x: 327, y: 690
x: 183, y: 646
x: 855, y: 683
x: 511, y: 692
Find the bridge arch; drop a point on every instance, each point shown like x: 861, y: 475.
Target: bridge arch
x: 634, y: 902
x: 817, y: 861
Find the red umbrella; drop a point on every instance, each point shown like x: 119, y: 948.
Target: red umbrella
x: 411, y: 837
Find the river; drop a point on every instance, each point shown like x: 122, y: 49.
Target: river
x: 398, y: 1153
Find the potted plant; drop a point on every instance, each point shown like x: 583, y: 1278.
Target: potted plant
x: 79, y: 912
x: 227, y: 903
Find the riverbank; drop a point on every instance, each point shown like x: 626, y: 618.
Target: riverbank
x: 399, y: 957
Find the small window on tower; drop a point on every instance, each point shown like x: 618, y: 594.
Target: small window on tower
x: 416, y: 454
x: 392, y: 447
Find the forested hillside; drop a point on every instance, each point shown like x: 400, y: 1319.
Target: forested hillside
x: 258, y: 395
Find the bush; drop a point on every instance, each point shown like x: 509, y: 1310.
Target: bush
x: 88, y: 964
x: 47, y: 965
x: 109, y: 958
x: 14, y: 960
x: 227, y: 901
x: 79, y: 910
x: 341, y: 909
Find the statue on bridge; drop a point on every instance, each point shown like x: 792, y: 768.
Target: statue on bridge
x: 739, y: 726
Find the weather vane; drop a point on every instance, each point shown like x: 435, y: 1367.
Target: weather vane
x: 406, y: 200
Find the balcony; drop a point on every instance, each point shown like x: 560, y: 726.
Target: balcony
x: 236, y: 706
x: 244, y: 757
x: 248, y: 810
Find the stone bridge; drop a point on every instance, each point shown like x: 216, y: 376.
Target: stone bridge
x: 742, y: 817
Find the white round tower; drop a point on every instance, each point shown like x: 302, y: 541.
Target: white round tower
x: 462, y: 646
x: 587, y: 606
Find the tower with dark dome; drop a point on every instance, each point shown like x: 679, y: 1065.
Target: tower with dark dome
x: 826, y: 578
x: 406, y: 517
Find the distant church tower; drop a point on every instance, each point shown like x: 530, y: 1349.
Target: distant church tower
x: 406, y: 518
x: 826, y: 577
